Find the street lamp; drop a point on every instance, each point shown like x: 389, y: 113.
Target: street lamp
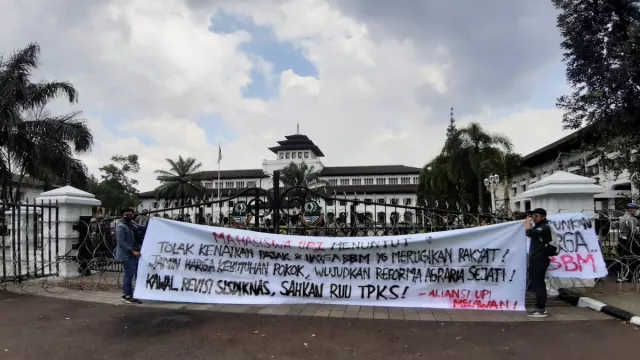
x: 492, y: 185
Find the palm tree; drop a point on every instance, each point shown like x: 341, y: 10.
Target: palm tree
x: 479, y: 142
x: 301, y: 175
x: 41, y: 145
x: 179, y: 182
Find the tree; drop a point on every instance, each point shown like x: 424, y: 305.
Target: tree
x: 301, y: 175
x: 507, y: 165
x: 480, y: 143
x: 449, y: 177
x: 602, y: 52
x: 180, y: 181
x: 117, y: 189
x: 40, y: 146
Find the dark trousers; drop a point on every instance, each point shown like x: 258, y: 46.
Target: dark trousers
x: 537, y: 270
x: 130, y: 270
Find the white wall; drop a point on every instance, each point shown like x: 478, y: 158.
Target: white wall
x: 523, y: 181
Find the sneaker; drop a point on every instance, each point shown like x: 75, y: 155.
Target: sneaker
x: 537, y: 313
x: 130, y: 300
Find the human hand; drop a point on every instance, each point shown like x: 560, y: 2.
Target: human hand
x: 136, y: 253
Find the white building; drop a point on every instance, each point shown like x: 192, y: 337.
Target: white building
x: 29, y: 190
x: 379, y: 188
x: 564, y: 154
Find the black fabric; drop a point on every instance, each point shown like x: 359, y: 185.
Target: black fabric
x: 537, y: 270
x: 540, y: 235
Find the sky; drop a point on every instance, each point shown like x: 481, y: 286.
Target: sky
x: 371, y: 82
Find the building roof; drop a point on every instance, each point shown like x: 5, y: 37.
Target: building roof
x: 297, y: 142
x: 369, y: 170
x: 226, y: 192
x: 230, y: 174
x: 550, y: 152
x: 328, y: 190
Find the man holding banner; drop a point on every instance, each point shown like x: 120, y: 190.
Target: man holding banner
x: 540, y: 234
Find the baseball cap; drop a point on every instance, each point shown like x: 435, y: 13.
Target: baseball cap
x: 633, y: 206
x: 538, y: 211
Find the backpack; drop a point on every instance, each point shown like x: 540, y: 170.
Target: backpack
x: 553, y: 248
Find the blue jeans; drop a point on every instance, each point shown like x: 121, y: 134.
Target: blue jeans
x: 130, y: 270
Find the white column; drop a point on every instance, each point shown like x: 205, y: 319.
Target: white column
x: 72, y: 203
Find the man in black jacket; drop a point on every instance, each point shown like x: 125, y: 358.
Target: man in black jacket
x: 540, y: 234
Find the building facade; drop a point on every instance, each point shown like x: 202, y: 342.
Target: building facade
x: 379, y: 188
x: 565, y: 155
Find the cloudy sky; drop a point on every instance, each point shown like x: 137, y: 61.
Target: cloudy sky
x: 370, y: 81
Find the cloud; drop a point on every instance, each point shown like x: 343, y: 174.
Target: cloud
x: 151, y: 74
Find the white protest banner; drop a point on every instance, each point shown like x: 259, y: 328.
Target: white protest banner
x: 476, y: 268
x: 580, y: 255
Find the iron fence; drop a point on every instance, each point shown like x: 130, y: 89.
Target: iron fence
x: 29, y: 244
x: 303, y: 211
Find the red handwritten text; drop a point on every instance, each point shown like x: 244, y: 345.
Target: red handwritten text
x: 572, y: 262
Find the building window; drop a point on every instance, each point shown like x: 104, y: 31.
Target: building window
x: 155, y: 205
x: 333, y: 182
x: 368, y: 200
x: 368, y: 181
x: 393, y: 181
x: 381, y: 181
x: 293, y: 155
x: 328, y: 202
x: 299, y: 154
x: 415, y: 179
x: 380, y: 201
x: 344, y: 182
x: 228, y: 184
x: 208, y: 184
x: 405, y: 180
x: 407, y: 201
x: 239, y: 184
x: 281, y: 156
x: 231, y: 204
x: 251, y: 184
x: 287, y: 155
x: 217, y: 184
x: 343, y: 203
x: 356, y: 182
x: 306, y: 154
x: 394, y: 201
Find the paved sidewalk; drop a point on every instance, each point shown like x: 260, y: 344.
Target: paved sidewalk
x: 333, y: 311
x: 38, y: 327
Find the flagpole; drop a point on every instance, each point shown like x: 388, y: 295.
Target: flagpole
x: 219, y: 160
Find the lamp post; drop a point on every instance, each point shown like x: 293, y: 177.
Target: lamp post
x: 492, y: 185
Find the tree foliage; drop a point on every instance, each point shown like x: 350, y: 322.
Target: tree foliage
x: 116, y: 188
x: 301, y: 175
x: 32, y: 142
x: 180, y: 182
x: 602, y: 52
x: 456, y: 175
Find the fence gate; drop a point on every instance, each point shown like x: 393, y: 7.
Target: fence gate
x: 29, y: 244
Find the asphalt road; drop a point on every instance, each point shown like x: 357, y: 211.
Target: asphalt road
x: 34, y: 327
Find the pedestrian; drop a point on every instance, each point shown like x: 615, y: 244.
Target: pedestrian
x: 629, y: 243
x: 129, y: 238
x: 539, y: 231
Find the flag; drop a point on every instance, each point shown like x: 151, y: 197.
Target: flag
x: 219, y: 153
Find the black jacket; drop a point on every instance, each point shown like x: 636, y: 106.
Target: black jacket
x: 540, y: 235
